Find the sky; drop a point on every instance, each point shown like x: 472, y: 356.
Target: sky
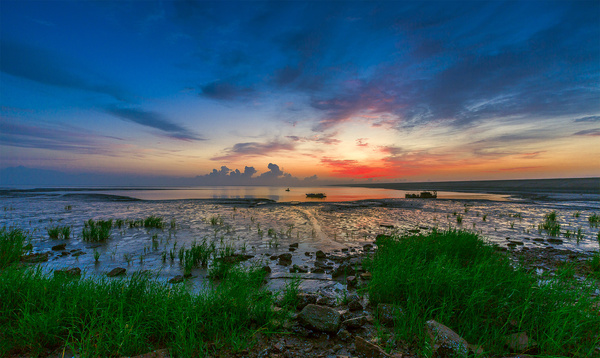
x: 301, y: 91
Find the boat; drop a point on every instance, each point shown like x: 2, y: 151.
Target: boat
x: 288, y: 189
x: 422, y: 195
x: 316, y: 195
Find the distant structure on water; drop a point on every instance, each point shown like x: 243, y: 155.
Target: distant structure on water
x: 422, y: 195
x: 316, y: 195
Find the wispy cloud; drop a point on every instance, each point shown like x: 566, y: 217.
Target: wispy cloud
x: 589, y: 132
x: 49, y: 68
x: 154, y: 120
x: 254, y: 149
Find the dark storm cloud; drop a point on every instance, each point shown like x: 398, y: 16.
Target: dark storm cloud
x: 46, y: 67
x: 154, y: 120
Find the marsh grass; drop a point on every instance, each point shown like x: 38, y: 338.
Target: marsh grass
x: 466, y: 284
x: 594, y: 220
x: 12, y: 246
x: 126, y: 317
x: 56, y: 232
x: 154, y: 222
x: 95, y: 231
x: 550, y: 224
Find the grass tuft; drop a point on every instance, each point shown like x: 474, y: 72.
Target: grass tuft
x: 95, y: 231
x: 550, y: 224
x: 12, y: 246
x: 457, y: 279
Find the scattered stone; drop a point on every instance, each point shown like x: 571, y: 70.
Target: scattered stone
x: 354, y: 323
x: 320, y: 318
x: 177, y: 279
x: 369, y: 349
x: 520, y: 343
x: 386, y: 313
x: 355, y: 305
x: 72, y: 272
x: 317, y: 270
x: 305, y: 299
x: 326, y: 301
x: 386, y: 225
x: 266, y: 269
x: 344, y: 335
x: 320, y: 254
x: 323, y: 265
x: 162, y: 353
x: 351, y: 281
x: 298, y: 269
x: 367, y: 247
x: 307, y: 253
x: 35, y: 258
x: 414, y: 231
x: 343, y: 269
x: 117, y: 271
x: 554, y: 241
x: 78, y: 253
x: 59, y: 247
x: 538, y: 240
x: 446, y: 342
x: 345, y: 249
x: 294, y: 245
x: 366, y: 276
x: 285, y: 259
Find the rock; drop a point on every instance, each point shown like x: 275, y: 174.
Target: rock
x: 386, y: 225
x: 317, y: 270
x: 351, y: 281
x: 446, y: 342
x: 554, y: 241
x: 386, y: 313
x: 294, y: 245
x: 354, y: 305
x: 285, y: 259
x: 35, y: 258
x: 320, y: 254
x: 176, y: 279
x: 305, y: 299
x: 59, y: 247
x: 298, y: 269
x: 323, y: 265
x: 520, y: 343
x: 354, y: 323
x: 116, y: 272
x: 326, y: 301
x: 344, y: 335
x: 369, y: 349
x: 266, y: 269
x: 320, y: 318
x: 343, y: 269
x: 367, y: 247
x: 72, y: 272
x: 78, y: 253
x: 161, y: 353
x: 366, y: 276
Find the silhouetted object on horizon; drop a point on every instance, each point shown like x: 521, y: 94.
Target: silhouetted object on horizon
x: 422, y: 195
x: 316, y: 195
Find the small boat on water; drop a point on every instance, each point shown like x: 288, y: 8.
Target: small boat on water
x: 288, y: 189
x: 422, y: 195
x: 316, y: 195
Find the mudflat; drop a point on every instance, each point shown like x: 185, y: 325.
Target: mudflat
x: 568, y: 185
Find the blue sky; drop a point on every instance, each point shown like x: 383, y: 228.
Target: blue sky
x: 383, y: 91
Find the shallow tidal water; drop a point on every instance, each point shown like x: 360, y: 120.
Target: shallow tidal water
x: 264, y: 228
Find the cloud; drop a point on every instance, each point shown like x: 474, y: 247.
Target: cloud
x: 589, y: 132
x: 154, y: 120
x: 588, y: 119
x: 46, y: 67
x: 24, y: 136
x: 254, y: 149
x: 222, y: 90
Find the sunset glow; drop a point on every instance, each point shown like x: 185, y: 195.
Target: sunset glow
x: 344, y: 91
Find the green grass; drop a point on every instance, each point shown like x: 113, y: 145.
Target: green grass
x: 460, y: 281
x: 550, y: 224
x: 594, y: 220
x: 95, y: 231
x: 154, y: 222
x: 12, y: 246
x: 62, y: 232
x: 102, y: 317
